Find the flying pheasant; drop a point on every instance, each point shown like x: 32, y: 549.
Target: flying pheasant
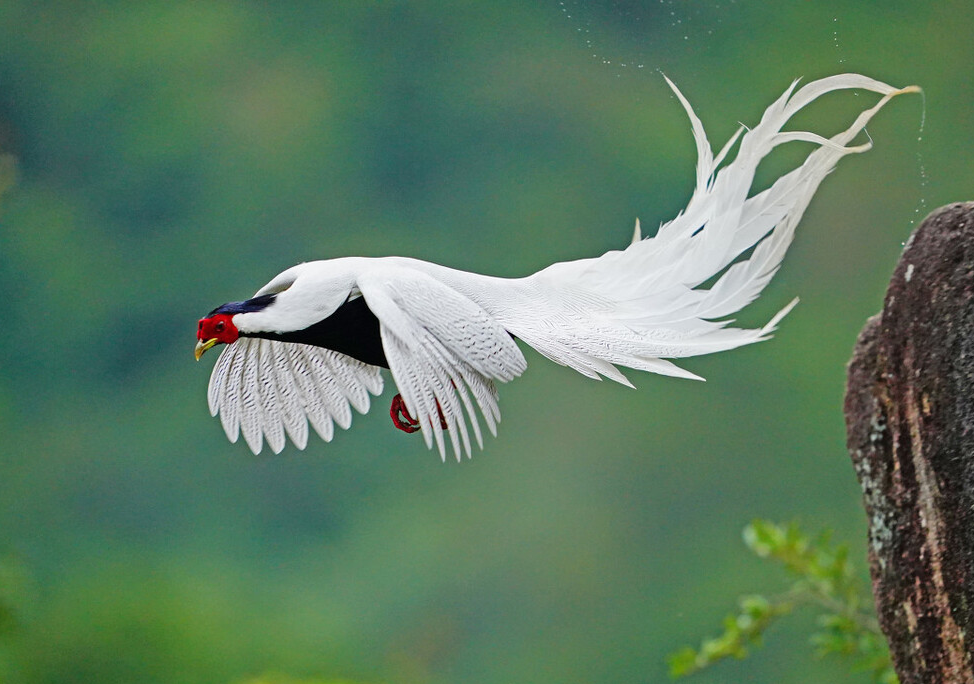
x: 309, y: 346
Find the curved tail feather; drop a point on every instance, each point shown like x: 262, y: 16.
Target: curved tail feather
x: 638, y: 306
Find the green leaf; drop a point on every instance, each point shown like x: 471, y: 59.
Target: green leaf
x: 682, y: 662
x: 824, y: 578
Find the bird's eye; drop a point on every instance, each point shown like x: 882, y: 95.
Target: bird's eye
x: 220, y: 326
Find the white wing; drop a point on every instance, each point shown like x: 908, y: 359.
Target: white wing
x: 441, y: 348
x: 269, y: 389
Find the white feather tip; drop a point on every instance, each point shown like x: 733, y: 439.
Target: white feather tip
x: 773, y: 323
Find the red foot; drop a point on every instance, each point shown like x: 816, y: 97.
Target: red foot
x: 404, y: 421
x: 400, y: 415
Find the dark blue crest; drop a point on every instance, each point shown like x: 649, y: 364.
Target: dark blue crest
x: 251, y: 305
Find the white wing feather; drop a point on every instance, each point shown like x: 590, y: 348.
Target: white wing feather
x: 438, y: 344
x: 266, y: 389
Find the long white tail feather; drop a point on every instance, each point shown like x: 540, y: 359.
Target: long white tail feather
x: 637, y: 306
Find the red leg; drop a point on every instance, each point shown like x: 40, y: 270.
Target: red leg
x: 402, y: 419
x: 400, y: 415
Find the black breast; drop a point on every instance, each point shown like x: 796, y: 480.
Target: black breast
x: 352, y: 330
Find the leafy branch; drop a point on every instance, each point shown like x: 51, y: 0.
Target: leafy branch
x: 823, y: 578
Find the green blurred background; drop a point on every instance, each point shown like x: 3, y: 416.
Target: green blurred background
x: 171, y: 156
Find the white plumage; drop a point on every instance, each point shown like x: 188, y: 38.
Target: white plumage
x: 447, y: 334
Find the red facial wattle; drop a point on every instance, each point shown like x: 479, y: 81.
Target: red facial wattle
x: 218, y: 327
x: 213, y: 330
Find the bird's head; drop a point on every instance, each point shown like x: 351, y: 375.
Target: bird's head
x: 294, y: 300
x: 215, y: 329
x: 221, y: 324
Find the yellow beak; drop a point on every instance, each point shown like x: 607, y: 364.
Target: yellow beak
x: 202, y: 346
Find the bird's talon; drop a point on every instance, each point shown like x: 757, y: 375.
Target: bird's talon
x: 400, y: 416
x: 402, y: 419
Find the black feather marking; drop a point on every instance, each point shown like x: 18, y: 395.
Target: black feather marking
x: 352, y: 330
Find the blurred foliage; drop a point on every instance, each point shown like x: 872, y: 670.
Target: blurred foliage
x: 284, y: 679
x: 12, y: 607
x: 823, y: 578
x: 11, y: 592
x: 8, y: 173
x: 172, y: 156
